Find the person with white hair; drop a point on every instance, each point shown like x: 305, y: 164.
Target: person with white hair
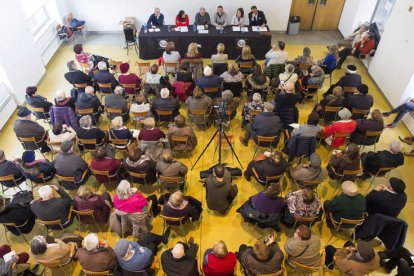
x: 49, y: 207
x: 104, y: 76
x: 344, y: 125
x: 61, y: 100
x: 117, y: 100
x: 372, y: 161
x: 218, y: 260
x: 150, y: 132
x: 48, y: 249
x: 90, y: 100
x: 119, y: 131
x: 96, y: 255
x: 202, y: 18
x: 165, y: 103
x: 87, y: 130
x: 181, y: 259
x: 289, y: 75
x: 255, y: 103
x: 210, y: 81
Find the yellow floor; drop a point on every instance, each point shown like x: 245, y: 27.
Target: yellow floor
x: 229, y: 228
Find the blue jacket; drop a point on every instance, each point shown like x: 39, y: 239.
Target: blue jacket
x: 139, y: 261
x: 329, y: 62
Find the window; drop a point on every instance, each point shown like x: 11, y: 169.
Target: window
x: 38, y: 20
x: 382, y: 13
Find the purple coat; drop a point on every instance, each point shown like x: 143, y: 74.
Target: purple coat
x: 63, y: 115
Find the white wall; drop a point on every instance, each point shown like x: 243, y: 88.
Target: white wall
x: 104, y: 15
x: 354, y: 13
x: 392, y: 65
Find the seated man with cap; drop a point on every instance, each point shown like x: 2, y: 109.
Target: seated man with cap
x: 24, y: 127
x: 7, y: 168
x: 350, y: 204
x: 90, y: 100
x: 49, y: 207
x: 35, y: 100
x: 132, y: 256
x: 266, y: 124
x: 309, y: 172
x: 345, y: 125
x: 209, y: 81
x: 165, y: 103
x: 387, y: 199
x: 127, y: 77
x: 351, y: 259
x: 359, y: 100
x: 68, y: 163
x: 39, y: 171
x: 181, y: 259
x: 350, y: 79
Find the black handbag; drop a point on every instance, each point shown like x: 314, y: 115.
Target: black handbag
x: 23, y: 198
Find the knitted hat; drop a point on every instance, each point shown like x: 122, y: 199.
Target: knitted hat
x: 351, y: 69
x: 28, y: 156
x: 178, y: 251
x: 23, y: 112
x: 208, y: 71
x: 344, y: 114
x: 269, y: 106
x: 31, y: 90
x: 365, y: 251
x: 315, y: 160
x: 397, y: 185
x: 121, y: 248
x: 66, y: 146
x: 363, y: 89
x: 349, y: 188
x: 124, y: 67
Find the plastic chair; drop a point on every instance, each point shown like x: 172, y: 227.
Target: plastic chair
x: 267, y: 140
x: 343, y: 221
x: 382, y: 172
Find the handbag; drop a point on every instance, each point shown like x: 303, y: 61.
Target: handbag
x: 23, y: 198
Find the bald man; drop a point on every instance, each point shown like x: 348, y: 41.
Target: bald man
x: 90, y: 100
x: 181, y: 259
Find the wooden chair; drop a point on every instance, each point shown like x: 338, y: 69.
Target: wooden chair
x: 87, y: 111
x: 171, y: 68
x: 24, y: 141
x: 382, y: 172
x: 349, y: 89
x: 343, y: 221
x: 254, y: 113
x: 105, y: 88
x: 305, y: 269
x: 138, y: 115
x: 71, y: 179
x: 305, y: 220
x: 45, y: 114
x: 115, y: 64
x: 346, y: 173
x: 174, y: 224
x: 57, y: 264
x: 246, y: 66
x: 164, y: 113
x: 176, y: 141
x: 48, y: 223
x: 311, y: 184
x: 205, y: 114
x: 211, y: 90
x: 313, y: 94
x: 269, y: 179
x: 80, y: 86
x: 371, y: 134
x: 267, y: 140
x: 86, y: 213
x: 130, y: 86
x: 96, y: 273
x: 362, y: 112
x: 134, y: 176
x: 40, y: 180
x: 91, y: 143
x: 330, y: 109
x: 10, y: 178
x: 176, y: 181
x: 143, y: 67
x: 17, y: 227
x: 280, y: 272
x: 224, y: 144
x: 110, y: 178
x: 84, y: 66
x: 345, y: 135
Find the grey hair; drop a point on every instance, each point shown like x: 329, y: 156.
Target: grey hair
x: 257, y: 97
x: 123, y: 190
x: 60, y: 95
x: 289, y: 68
x: 38, y: 245
x: 102, y: 66
x: 119, y: 90
x: 91, y: 242
x: 85, y: 121
x: 227, y: 95
x: 117, y: 122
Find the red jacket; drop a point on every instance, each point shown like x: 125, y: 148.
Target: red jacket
x: 365, y: 48
x: 220, y: 266
x: 178, y: 22
x: 108, y: 164
x: 340, y: 126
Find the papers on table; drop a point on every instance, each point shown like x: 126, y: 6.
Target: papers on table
x: 244, y: 29
x: 294, y: 125
x: 7, y: 257
x: 184, y: 29
x: 203, y: 31
x: 151, y: 30
x: 259, y: 29
x: 236, y: 29
x: 263, y: 29
x: 200, y: 27
x: 157, y: 30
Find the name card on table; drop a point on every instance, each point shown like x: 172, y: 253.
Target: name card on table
x: 200, y: 27
x: 203, y: 31
x: 244, y: 29
x: 183, y: 29
x: 236, y: 29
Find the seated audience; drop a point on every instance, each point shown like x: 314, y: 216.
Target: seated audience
x: 314, y: 76
x: 350, y: 79
x: 132, y: 256
x: 139, y: 105
x: 387, y: 199
x: 156, y: 19
x: 265, y: 257
x: 303, y: 59
x: 210, y: 81
x: 33, y: 169
x: 361, y: 48
x: 345, y: 125
x: 359, y: 100
x: 181, y: 129
x: 138, y: 162
x: 269, y: 202
x: 170, y: 55
x: 179, y: 206
x: 49, y: 207
x: 101, y: 161
x: 375, y: 123
x: 220, y: 193
x: 285, y: 105
x: 256, y: 17
x: 246, y: 57
x: 194, y: 59
x: 100, y: 204
x: 181, y: 19
x: 353, y: 38
x: 219, y: 261
x: 199, y: 101
x: 181, y: 259
x: 240, y: 19
x: 350, y: 204
x: 233, y: 74
x: 351, y: 259
x: 309, y: 172
x: 25, y: 127
x: 17, y: 213
x: 169, y: 167
x: 265, y: 124
x: 336, y: 99
x: 276, y: 55
x: 84, y: 57
x: 90, y: 100
x: 288, y: 75
x: 127, y: 77
x: 68, y: 163
x: 229, y: 102
x: 304, y: 247
x: 35, y: 100
x: 401, y: 110
x: 96, y: 255
x: 104, y: 76
x: 150, y: 132
x: 310, y: 129
x: 302, y: 203
x: 129, y: 200
x: 74, y: 23
x: 117, y: 100
x: 254, y: 103
x: 328, y: 64
x: 15, y: 263
x: 119, y: 131
x: 257, y: 82
x: 220, y: 57
x: 391, y: 158
x: 61, y: 100
x: 273, y: 164
x: 202, y: 18
x: 75, y: 76
x: 58, y: 134
x: 152, y: 82
x: 348, y: 159
x: 88, y: 131
x: 10, y: 168
x: 220, y: 19
x: 48, y: 249
x: 165, y: 103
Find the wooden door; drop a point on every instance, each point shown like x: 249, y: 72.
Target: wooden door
x: 306, y: 10
x: 327, y: 15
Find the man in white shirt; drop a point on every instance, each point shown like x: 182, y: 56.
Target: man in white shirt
x: 277, y: 55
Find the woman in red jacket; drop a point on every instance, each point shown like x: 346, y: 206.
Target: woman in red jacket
x: 102, y: 162
x: 182, y: 19
x: 345, y: 125
x: 218, y: 261
x: 363, y: 47
x: 100, y: 204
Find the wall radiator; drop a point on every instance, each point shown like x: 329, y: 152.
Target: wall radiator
x: 7, y: 107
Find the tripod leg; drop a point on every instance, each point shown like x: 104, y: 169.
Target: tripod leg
x: 208, y: 144
x: 231, y: 147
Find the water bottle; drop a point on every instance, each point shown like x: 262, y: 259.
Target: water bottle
x: 145, y: 27
x: 169, y: 28
x: 194, y: 28
x: 222, y: 29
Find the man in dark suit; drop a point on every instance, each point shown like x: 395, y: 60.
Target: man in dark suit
x: 256, y: 17
x: 104, y: 76
x: 360, y: 100
x: 90, y: 100
x: 75, y: 76
x: 156, y: 19
x: 165, y: 103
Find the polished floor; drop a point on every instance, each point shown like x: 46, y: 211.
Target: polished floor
x: 213, y: 227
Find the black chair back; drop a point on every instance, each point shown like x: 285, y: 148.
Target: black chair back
x: 219, y: 68
x: 130, y: 33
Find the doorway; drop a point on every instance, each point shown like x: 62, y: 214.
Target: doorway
x: 317, y: 15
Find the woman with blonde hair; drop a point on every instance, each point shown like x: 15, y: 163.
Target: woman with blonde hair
x: 192, y: 51
x: 87, y: 200
x: 195, y: 61
x: 179, y: 206
x: 246, y: 57
x: 120, y: 132
x: 233, y: 74
x: 220, y: 57
x: 218, y: 261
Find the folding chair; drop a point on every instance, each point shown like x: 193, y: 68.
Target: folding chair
x: 371, y: 134
x: 176, y: 141
x: 105, y: 174
x: 305, y: 269
x: 41, y: 110
x: 133, y: 176
x: 71, y: 179
x: 343, y: 221
x: 138, y: 117
x: 176, y: 182
x: 24, y: 141
x: 361, y: 112
x: 164, y: 113
x: 346, y: 173
x: 330, y: 109
x: 17, y: 227
x: 105, y: 88
x: 143, y: 67
x: 40, y: 180
x: 171, y: 223
x: 305, y: 220
x: 10, y: 178
x: 382, y: 172
x: 268, y: 140
x: 313, y: 94
x: 48, y: 223
x: 96, y: 273
x: 130, y: 33
x: 86, y: 213
x: 349, y: 89
x: 171, y: 68
x: 336, y: 135
x: 209, y: 91
x: 87, y: 111
x: 205, y: 114
x: 89, y: 145
x: 269, y: 180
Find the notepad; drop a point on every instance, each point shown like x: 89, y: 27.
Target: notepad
x: 200, y: 27
x: 151, y: 30
x: 236, y: 29
x: 263, y: 29
x: 244, y: 29
x: 7, y: 257
x: 157, y: 30
x: 294, y: 125
x: 203, y: 31
x: 184, y: 29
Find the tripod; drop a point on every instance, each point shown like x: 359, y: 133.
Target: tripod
x: 221, y: 133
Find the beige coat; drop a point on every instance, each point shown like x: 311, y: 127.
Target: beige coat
x: 354, y: 268
x: 304, y: 252
x: 121, y: 222
x: 58, y: 251
x: 182, y: 132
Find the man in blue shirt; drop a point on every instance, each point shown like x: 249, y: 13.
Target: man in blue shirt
x: 132, y: 256
x: 74, y: 23
x: 156, y: 19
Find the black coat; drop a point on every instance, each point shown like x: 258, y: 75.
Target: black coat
x: 147, y: 167
x: 268, y: 168
x: 259, y: 20
x: 78, y: 77
x: 7, y: 168
x: 165, y: 104
x: 39, y: 101
x: 86, y: 101
x: 385, y: 203
x: 363, y: 125
x: 266, y: 124
x: 373, y: 161
x: 353, y: 80
x: 359, y: 101
x: 186, y: 266
x: 92, y: 133
x: 105, y: 77
x: 18, y: 214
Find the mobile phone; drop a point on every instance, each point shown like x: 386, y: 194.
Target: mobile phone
x: 282, y: 82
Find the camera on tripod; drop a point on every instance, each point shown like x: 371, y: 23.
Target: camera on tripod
x: 220, y: 112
